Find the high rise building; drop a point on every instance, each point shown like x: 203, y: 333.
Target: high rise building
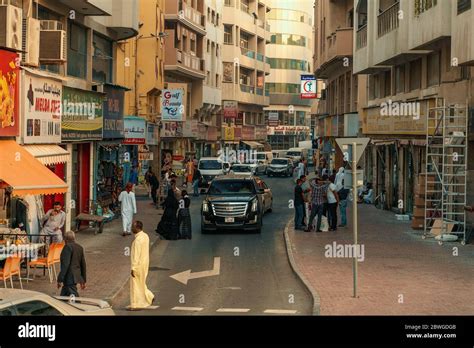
x: 290, y: 54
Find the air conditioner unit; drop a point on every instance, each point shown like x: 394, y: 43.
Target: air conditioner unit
x: 10, y: 25
x: 31, y: 42
x: 53, y: 42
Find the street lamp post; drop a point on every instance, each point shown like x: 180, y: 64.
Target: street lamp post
x: 354, y: 214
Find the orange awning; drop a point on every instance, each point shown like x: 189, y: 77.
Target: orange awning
x: 20, y: 170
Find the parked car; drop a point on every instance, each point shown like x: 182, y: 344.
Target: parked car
x: 257, y: 166
x: 266, y: 194
x: 280, y: 167
x: 232, y: 203
x: 279, y: 153
x: 15, y: 302
x: 264, y: 159
x: 242, y: 170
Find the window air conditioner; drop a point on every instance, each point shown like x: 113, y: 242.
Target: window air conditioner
x: 53, y: 44
x: 10, y: 25
x: 31, y: 42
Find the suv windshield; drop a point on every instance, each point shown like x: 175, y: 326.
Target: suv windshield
x: 279, y: 161
x: 231, y: 187
x: 261, y: 156
x: 210, y: 164
x: 293, y: 153
x: 241, y: 169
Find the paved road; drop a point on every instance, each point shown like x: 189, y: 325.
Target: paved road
x: 255, y: 276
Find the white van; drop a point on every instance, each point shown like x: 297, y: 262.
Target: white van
x: 264, y: 159
x: 210, y: 167
x: 279, y: 153
x: 296, y: 153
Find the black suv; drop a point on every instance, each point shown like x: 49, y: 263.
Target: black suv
x: 232, y: 202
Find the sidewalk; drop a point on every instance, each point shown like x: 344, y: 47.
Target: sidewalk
x: 108, y: 264
x: 398, y: 266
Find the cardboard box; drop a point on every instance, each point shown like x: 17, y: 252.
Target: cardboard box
x: 437, y: 227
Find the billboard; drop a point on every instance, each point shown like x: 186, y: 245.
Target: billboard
x: 9, y: 93
x: 134, y: 130
x: 172, y: 107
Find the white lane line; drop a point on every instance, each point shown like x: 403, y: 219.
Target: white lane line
x: 193, y: 309
x: 280, y: 311
x: 233, y: 310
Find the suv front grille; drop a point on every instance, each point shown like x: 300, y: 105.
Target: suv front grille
x: 229, y: 209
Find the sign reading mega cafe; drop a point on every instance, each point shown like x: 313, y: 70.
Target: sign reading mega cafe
x: 42, y: 98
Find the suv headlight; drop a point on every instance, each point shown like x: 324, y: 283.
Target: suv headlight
x: 254, y: 205
x: 205, y: 207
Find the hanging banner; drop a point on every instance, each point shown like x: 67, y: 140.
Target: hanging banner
x: 308, y: 87
x: 228, y: 133
x: 82, y: 117
x: 172, y: 107
x: 113, y: 112
x: 230, y: 109
x: 9, y: 93
x: 134, y: 130
x: 41, y: 102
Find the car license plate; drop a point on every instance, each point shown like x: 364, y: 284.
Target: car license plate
x: 229, y: 219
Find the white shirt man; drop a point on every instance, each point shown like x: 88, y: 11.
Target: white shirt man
x: 128, y: 209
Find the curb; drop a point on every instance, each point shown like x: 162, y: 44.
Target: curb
x: 312, y: 291
x: 111, y: 299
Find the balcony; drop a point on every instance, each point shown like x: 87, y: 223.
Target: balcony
x: 90, y: 7
x: 246, y: 94
x: 387, y: 21
x: 339, y: 45
x: 184, y: 64
x: 185, y: 14
x: 361, y: 37
x: 247, y: 53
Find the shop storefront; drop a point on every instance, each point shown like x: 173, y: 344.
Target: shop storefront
x: 135, y: 139
x: 285, y: 137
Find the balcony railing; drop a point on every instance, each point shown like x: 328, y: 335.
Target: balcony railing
x: 424, y: 5
x: 229, y: 3
x: 244, y: 8
x: 189, y: 61
x: 361, y: 37
x: 247, y: 89
x: 260, y: 57
x: 248, y: 53
x: 388, y: 20
x: 267, y: 93
x: 259, y: 91
x: 192, y: 14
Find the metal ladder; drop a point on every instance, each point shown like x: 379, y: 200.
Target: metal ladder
x: 446, y: 168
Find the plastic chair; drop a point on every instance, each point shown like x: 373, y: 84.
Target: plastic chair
x: 15, y: 268
x: 44, y: 262
x: 57, y: 257
x: 5, y: 272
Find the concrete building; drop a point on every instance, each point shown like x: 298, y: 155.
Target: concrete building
x: 245, y: 70
x: 290, y: 54
x: 337, y: 114
x: 70, y: 107
x: 415, y: 52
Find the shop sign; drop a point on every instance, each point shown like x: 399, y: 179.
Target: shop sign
x: 151, y: 133
x: 113, y: 112
x: 9, y: 93
x: 134, y: 129
x: 145, y: 156
x: 211, y: 133
x: 273, y: 118
x: 42, y: 99
x: 290, y: 130
x: 237, y: 133
x: 82, y: 115
x: 239, y: 121
x: 172, y: 107
x: 230, y: 109
x: 172, y: 130
x: 308, y: 87
x: 260, y: 133
x: 190, y: 129
x: 248, y: 132
x: 228, y: 133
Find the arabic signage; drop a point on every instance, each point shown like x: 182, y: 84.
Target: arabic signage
x: 230, y: 109
x: 9, y: 94
x: 172, y: 107
x: 248, y: 132
x: 287, y: 130
x: 171, y: 130
x: 273, y: 118
x: 113, y: 112
x: 42, y: 99
x: 134, y: 129
x: 190, y: 129
x: 82, y: 117
x: 260, y: 132
x: 228, y: 133
x: 308, y: 87
x: 151, y: 133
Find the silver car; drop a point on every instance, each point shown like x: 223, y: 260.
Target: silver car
x: 14, y: 302
x: 266, y: 194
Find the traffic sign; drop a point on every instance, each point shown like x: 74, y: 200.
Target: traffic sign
x: 344, y: 143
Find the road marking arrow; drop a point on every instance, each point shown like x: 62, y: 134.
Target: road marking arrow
x: 185, y: 276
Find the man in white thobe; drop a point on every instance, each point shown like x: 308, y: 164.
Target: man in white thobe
x: 128, y: 208
x: 140, y: 296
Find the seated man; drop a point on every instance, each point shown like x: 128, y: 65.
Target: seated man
x: 369, y: 197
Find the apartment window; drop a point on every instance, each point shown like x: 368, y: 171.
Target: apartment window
x: 288, y: 39
x: 77, y: 51
x: 208, y: 46
x: 288, y: 64
x: 244, y: 40
x: 463, y: 6
x: 288, y: 15
x: 228, y: 35
x: 245, y: 6
x: 423, y: 5
x: 102, y: 60
x: 217, y: 50
x: 208, y: 78
x: 415, y: 74
x: 208, y: 14
x: 217, y: 80
x: 193, y: 45
x: 217, y: 19
x: 400, y: 79
x: 433, y: 69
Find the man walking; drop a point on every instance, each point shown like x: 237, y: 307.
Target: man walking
x: 154, y: 186
x: 128, y: 208
x: 299, y: 205
x: 54, y: 221
x: 318, y: 197
x: 73, y: 267
x: 140, y: 296
x: 307, y: 198
x: 333, y: 201
x: 343, y: 194
x: 196, y: 179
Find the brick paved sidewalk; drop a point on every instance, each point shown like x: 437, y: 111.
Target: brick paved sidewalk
x: 108, y: 268
x: 397, y: 262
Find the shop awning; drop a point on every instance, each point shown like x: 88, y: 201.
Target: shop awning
x: 48, y: 154
x: 252, y: 144
x: 25, y: 174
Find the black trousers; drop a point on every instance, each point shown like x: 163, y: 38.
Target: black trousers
x: 332, y: 218
x: 69, y: 289
x: 153, y: 193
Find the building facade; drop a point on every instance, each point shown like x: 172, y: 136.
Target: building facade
x: 290, y: 55
x: 413, y: 52
x: 245, y: 70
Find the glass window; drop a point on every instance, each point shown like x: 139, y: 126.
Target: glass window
x: 288, y: 39
x: 288, y: 64
x: 228, y: 34
x: 102, y: 60
x: 77, y: 51
x: 36, y: 308
x: 231, y: 187
x: 289, y: 15
x: 415, y: 74
x: 273, y: 87
x: 463, y: 6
